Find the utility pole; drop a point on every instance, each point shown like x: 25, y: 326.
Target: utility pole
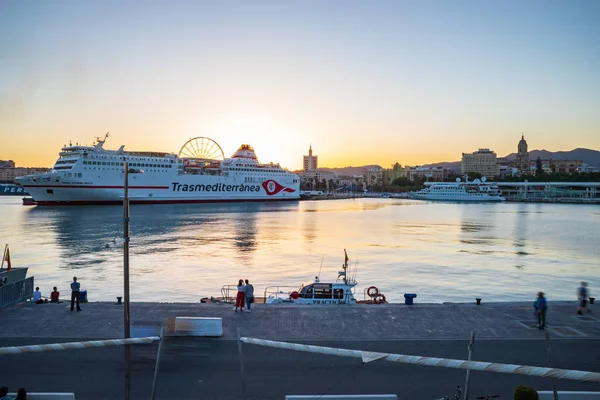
x: 126, y: 328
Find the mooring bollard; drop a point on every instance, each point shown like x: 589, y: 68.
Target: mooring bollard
x: 119, y: 300
x: 478, y: 301
x: 592, y: 300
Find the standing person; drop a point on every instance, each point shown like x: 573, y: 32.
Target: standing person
x: 541, y: 306
x: 75, y: 293
x: 249, y: 295
x: 241, y: 296
x: 582, y: 295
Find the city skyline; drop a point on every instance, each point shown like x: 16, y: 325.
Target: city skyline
x: 364, y: 82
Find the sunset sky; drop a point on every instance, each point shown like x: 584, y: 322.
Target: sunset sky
x: 366, y: 82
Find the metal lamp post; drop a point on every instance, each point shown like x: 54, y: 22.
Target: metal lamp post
x: 126, y: 316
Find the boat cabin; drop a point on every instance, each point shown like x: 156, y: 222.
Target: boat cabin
x: 319, y: 293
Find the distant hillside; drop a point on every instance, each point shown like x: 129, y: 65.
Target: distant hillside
x: 591, y: 157
x: 454, y: 165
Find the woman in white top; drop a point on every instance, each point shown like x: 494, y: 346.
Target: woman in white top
x: 241, y: 296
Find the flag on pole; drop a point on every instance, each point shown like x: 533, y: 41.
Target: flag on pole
x: 7, y: 259
x: 346, y: 255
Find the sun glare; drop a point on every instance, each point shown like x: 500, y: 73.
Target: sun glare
x: 258, y: 131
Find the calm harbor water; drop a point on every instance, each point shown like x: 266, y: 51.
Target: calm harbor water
x: 441, y: 251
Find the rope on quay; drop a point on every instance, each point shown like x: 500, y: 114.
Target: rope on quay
x: 37, y: 348
x: 368, y: 356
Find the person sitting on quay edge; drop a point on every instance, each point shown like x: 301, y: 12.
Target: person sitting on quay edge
x: 4, y: 393
x: 37, y: 296
x: 54, y: 296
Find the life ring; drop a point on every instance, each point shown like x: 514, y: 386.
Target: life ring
x: 294, y: 295
x: 372, y: 291
x: 379, y: 299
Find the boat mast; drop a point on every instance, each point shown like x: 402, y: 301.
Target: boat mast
x: 345, y: 267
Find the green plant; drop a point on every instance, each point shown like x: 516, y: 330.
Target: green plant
x: 525, y: 393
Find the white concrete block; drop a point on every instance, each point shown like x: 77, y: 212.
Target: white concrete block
x: 198, y: 326
x: 346, y: 397
x: 562, y: 395
x: 47, y: 396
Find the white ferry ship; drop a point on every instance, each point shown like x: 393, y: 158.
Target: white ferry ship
x: 198, y: 173
x: 476, y: 190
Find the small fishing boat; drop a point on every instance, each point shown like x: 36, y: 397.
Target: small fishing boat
x: 320, y: 293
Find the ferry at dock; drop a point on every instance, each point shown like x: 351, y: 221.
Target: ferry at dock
x: 475, y: 191
x: 199, y: 173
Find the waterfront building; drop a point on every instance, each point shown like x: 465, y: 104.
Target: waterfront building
x: 431, y: 173
x: 8, y: 174
x: 522, y: 162
x: 311, y: 177
x: 390, y: 175
x: 311, y: 162
x: 317, y: 179
x: 7, y: 164
x: 507, y: 170
x: 373, y: 176
x: 552, y: 192
x: 565, y: 166
x: 351, y: 182
x: 556, y: 166
x: 482, y: 161
x: 586, y: 168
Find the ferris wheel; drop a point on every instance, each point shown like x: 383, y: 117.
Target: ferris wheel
x: 201, y: 148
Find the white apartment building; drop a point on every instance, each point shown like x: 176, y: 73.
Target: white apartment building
x: 373, y: 176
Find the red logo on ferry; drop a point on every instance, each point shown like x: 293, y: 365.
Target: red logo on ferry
x: 272, y: 187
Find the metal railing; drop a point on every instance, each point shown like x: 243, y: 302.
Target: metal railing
x: 16, y: 292
x: 277, y: 291
x: 226, y: 293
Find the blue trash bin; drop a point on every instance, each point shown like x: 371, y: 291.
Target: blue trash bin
x: 408, y: 298
x: 83, y: 296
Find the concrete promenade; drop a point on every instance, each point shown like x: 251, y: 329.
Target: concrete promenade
x: 210, y: 368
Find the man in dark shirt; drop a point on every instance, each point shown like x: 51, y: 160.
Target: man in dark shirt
x: 75, y: 293
x: 249, y: 296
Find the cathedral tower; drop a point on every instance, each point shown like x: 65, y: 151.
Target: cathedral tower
x: 523, y: 155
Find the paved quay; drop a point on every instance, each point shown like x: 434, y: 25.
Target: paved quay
x: 306, y: 323
x: 199, y: 368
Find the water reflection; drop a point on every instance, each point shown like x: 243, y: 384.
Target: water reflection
x: 520, y: 234
x: 93, y: 235
x: 477, y: 229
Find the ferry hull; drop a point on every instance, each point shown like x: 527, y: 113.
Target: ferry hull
x: 88, y: 195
